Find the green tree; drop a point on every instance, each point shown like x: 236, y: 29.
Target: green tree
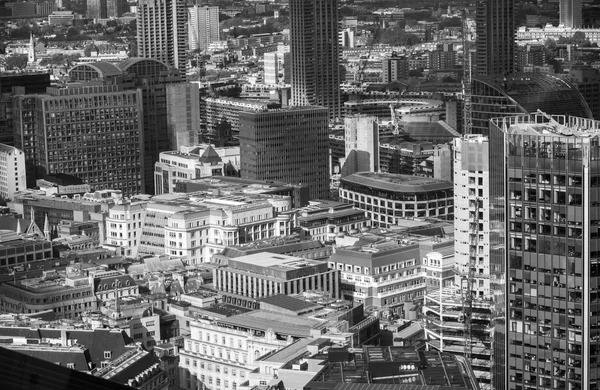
x: 398, y: 37
x: 16, y: 62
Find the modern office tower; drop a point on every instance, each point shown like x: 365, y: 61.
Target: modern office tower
x: 523, y: 93
x: 394, y: 68
x: 495, y: 27
x: 315, y: 54
x: 152, y: 77
x: 221, y: 116
x: 203, y: 26
x: 570, y: 13
x: 545, y: 251
x: 93, y: 133
x: 288, y: 145
x: 116, y: 8
x: 183, y: 114
x: 161, y: 31
x: 471, y: 210
x: 12, y: 171
x: 362, y: 145
x: 96, y: 9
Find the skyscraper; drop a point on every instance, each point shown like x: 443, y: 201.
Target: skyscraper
x: 315, y: 54
x: 495, y: 37
x: 361, y: 144
x: 203, y: 26
x: 161, y: 31
x: 545, y: 251
x: 570, y: 13
x: 288, y: 145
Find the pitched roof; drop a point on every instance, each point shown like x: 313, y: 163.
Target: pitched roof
x: 79, y: 357
x: 210, y: 156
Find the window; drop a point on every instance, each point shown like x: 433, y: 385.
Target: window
x: 150, y: 323
x: 151, y: 333
x: 71, y: 366
x: 107, y: 354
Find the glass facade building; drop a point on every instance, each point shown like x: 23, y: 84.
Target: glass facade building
x: 545, y: 251
x: 523, y: 93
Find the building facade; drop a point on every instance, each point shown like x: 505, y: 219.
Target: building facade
x: 288, y: 145
x: 387, y: 198
x: 93, y: 133
x: 362, y: 144
x: 570, y: 13
x: 495, y: 28
x: 544, y: 257
x: 161, y: 31
x: 183, y: 114
x: 12, y: 171
x: 315, y: 54
x: 471, y: 210
x: 203, y: 26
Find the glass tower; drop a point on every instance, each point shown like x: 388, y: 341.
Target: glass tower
x: 545, y: 251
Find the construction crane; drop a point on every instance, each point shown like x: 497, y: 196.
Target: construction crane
x: 466, y: 82
x: 470, y: 279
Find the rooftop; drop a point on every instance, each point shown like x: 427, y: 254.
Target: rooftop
x: 267, y: 260
x: 290, y: 303
x: 397, y: 182
x: 280, y: 324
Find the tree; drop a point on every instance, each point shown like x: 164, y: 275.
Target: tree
x: 398, y: 37
x: 16, y: 62
x: 112, y: 23
x: 88, y: 50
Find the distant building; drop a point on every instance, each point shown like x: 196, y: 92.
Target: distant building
x: 61, y: 18
x: 386, y: 198
x: 161, y: 31
x: 203, y: 26
x: 315, y: 54
x: 288, y: 145
x: 183, y: 114
x: 495, y: 29
x: 277, y: 67
x: 96, y: 9
x: 394, y: 68
x: 22, y: 251
x: 12, y: 171
x: 570, y: 13
x: 362, y: 145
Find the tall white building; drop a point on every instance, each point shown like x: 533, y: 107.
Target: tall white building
x: 472, y: 210
x: 570, y: 13
x: 276, y: 67
x: 203, y: 26
x: 12, y: 171
x: 362, y: 145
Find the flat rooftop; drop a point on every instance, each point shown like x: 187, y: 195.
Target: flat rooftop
x: 397, y: 182
x: 275, y: 260
x: 284, y: 325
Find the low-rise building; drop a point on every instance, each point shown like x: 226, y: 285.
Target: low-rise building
x: 194, y: 163
x: 387, y: 197
x: 67, y: 296
x: 323, y: 220
x: 124, y: 227
x: 22, y: 251
x: 265, y: 274
x: 12, y: 171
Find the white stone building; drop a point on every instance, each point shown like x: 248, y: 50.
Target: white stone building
x: 12, y: 171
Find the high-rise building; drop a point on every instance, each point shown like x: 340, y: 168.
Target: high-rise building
x: 362, y: 145
x: 93, y: 133
x: 471, y: 210
x: 96, y: 9
x: 315, y: 54
x: 183, y: 114
x: 12, y: 171
x: 277, y: 67
x: 495, y: 37
x: 570, y: 13
x: 545, y: 251
x: 288, y: 145
x: 151, y: 77
x: 203, y: 26
x: 161, y: 31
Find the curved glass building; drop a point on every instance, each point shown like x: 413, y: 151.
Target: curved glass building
x: 523, y: 93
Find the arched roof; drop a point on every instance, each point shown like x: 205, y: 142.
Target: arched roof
x: 532, y: 91
x: 130, y: 62
x: 104, y: 69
